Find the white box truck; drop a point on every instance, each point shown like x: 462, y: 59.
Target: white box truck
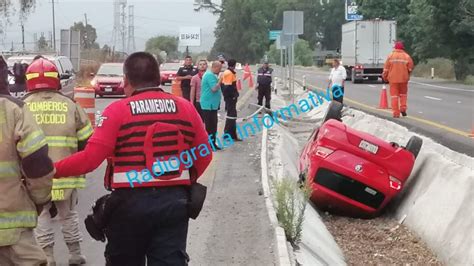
x: 365, y: 47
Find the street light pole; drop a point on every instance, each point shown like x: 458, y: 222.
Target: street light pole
x: 54, y: 28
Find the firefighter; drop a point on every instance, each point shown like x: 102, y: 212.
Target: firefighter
x: 67, y: 129
x: 143, y: 133
x: 397, y: 70
x: 26, y: 174
x: 264, y: 84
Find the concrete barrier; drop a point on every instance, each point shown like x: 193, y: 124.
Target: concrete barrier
x: 438, y: 200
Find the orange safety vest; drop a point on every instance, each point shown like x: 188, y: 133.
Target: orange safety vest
x: 398, y: 67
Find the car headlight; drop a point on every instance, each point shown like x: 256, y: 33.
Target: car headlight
x: 323, y: 152
x: 395, y: 183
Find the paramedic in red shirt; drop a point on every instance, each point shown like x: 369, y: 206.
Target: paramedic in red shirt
x: 159, y: 147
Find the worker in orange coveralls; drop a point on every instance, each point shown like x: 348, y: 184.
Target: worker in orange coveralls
x: 397, y: 70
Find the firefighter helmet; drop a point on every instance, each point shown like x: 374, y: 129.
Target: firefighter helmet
x: 42, y: 74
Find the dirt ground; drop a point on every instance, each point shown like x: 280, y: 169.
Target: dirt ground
x: 379, y: 241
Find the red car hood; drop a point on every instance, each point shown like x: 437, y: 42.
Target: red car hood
x: 103, y: 79
x: 168, y: 72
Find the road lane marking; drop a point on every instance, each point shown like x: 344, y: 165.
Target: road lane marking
x: 433, y: 98
x: 424, y: 121
x: 440, y: 87
x: 372, y: 86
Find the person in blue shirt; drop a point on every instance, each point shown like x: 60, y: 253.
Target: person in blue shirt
x: 211, y: 99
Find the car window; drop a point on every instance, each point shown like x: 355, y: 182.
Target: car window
x: 170, y: 66
x: 57, y: 62
x: 110, y: 70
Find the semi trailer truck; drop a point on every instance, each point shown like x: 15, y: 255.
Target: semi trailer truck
x: 365, y: 47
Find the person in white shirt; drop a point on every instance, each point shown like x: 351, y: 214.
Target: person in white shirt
x: 337, y: 78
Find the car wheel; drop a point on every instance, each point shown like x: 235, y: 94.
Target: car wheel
x: 333, y: 112
x: 414, y: 145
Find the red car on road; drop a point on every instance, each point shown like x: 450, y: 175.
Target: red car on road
x: 168, y: 72
x: 109, y: 80
x: 351, y: 172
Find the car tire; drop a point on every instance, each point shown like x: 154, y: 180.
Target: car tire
x: 414, y: 145
x: 333, y: 112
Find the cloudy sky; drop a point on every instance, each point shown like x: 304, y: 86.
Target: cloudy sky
x: 152, y: 18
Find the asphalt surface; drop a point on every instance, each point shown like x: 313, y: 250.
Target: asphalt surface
x: 233, y: 227
x: 437, y: 109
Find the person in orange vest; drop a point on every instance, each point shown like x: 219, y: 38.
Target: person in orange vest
x: 397, y: 70
x: 67, y: 129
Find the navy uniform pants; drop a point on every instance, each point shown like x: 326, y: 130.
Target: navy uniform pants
x: 149, y: 225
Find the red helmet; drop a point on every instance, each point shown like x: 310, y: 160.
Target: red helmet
x: 42, y: 74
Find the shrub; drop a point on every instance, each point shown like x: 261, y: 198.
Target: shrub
x: 443, y: 68
x: 469, y: 80
x: 291, y: 203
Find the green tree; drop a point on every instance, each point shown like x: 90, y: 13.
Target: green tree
x: 169, y: 44
x: 88, y: 35
x: 303, y: 54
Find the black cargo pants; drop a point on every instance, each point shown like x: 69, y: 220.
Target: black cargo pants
x: 149, y: 223
x: 264, y: 91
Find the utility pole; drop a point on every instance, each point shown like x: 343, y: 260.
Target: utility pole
x: 23, y: 36
x: 85, y: 32
x: 54, y: 28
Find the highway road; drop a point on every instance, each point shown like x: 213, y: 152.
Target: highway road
x: 233, y: 228
x: 438, y: 109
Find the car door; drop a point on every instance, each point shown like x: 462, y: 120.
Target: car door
x: 66, y: 72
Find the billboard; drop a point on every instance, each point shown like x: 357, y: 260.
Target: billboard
x: 190, y: 36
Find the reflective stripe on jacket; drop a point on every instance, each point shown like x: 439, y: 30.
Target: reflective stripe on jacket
x: 398, y: 67
x: 26, y: 171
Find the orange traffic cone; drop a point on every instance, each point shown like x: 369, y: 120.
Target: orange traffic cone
x: 247, y: 72
x: 383, y: 104
x: 239, y: 85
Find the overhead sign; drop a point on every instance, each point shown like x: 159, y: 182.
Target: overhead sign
x: 71, y: 47
x: 190, y: 36
x: 273, y: 35
x: 293, y: 23
x: 352, y: 10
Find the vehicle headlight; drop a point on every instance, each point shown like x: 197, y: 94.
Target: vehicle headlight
x: 395, y: 183
x: 323, y: 152
x: 94, y: 82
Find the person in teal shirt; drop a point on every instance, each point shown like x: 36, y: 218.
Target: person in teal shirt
x: 211, y: 99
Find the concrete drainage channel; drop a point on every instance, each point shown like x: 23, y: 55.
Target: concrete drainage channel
x: 430, y: 222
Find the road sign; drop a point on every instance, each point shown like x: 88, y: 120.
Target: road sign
x: 352, y: 12
x: 71, y: 47
x: 273, y: 34
x: 293, y: 22
x: 190, y: 36
x: 287, y: 40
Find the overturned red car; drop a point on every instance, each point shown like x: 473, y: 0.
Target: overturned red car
x: 351, y: 172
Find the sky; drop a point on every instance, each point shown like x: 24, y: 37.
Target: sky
x: 152, y: 18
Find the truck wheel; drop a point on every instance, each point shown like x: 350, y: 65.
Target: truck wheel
x: 333, y: 112
x: 353, y: 78
x: 414, y: 145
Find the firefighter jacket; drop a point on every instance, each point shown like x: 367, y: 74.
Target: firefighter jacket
x: 67, y: 129
x: 398, y: 67
x: 264, y: 76
x: 157, y: 140
x: 26, y: 171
